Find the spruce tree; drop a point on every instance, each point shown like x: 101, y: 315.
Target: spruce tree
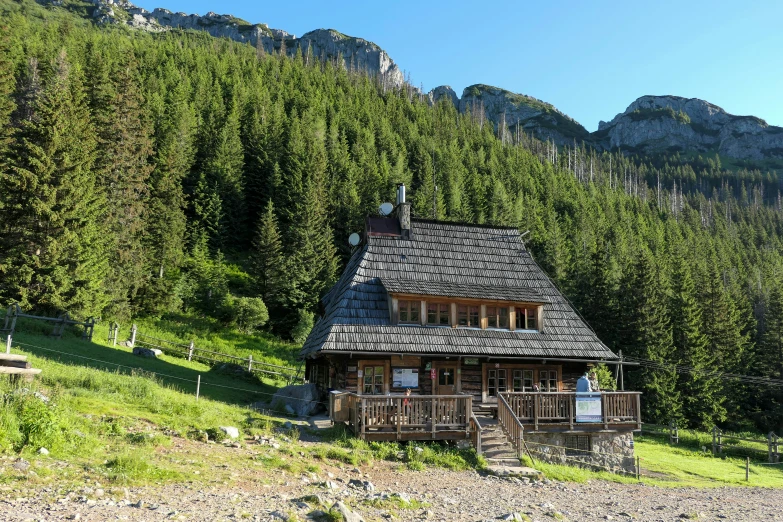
x: 700, y: 388
x: 123, y: 164
x: 55, y: 246
x: 267, y: 258
x: 770, y: 363
x: 648, y: 336
x: 166, y: 221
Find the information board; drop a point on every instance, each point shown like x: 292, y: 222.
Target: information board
x: 405, y: 378
x: 588, y: 407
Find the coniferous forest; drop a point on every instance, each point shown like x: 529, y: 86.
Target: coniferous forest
x: 147, y: 174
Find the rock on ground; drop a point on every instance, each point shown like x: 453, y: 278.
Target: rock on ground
x: 147, y: 352
x: 298, y: 399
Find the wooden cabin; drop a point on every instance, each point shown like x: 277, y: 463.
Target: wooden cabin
x: 463, y: 317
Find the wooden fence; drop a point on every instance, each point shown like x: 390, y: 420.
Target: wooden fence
x: 770, y: 445
x: 191, y: 352
x: 14, y: 312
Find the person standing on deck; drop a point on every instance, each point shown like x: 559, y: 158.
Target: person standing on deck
x: 583, y: 384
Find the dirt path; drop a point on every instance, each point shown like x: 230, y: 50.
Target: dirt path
x: 446, y: 496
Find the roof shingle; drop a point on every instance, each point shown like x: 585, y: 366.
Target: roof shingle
x: 449, y: 260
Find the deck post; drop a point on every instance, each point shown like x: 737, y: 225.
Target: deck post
x: 638, y: 411
x: 433, y: 416
x: 571, y: 412
x: 364, y: 419
x: 535, y: 410
x: 399, y: 418
x: 604, y: 411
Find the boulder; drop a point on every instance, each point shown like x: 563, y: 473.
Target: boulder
x: 230, y: 431
x: 301, y: 400
x: 346, y: 514
x: 147, y: 352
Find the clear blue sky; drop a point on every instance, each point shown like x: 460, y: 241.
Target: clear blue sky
x: 590, y: 59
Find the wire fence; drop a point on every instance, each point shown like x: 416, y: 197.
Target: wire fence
x: 134, y: 370
x: 192, y: 352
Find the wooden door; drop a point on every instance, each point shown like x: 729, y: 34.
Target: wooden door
x: 445, y: 379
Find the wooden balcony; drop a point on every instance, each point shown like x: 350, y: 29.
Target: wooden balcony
x: 413, y: 417
x: 557, y: 411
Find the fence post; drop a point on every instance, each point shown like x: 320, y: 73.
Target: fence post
x: 190, y: 350
x: 250, y: 363
x: 769, y: 447
x: 747, y: 469
x: 116, y: 334
x: 720, y: 441
x: 638, y: 468
x: 133, y: 336
x: 198, y: 386
x: 8, y: 343
x: 92, y: 328
x: 714, y: 438
x: 622, y: 384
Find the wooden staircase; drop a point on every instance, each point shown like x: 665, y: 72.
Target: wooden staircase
x: 499, y: 452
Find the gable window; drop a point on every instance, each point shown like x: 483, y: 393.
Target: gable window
x: 497, y: 317
x: 468, y: 316
x: 438, y: 314
x: 409, y: 312
x: 527, y: 319
x: 373, y: 380
x: 523, y: 380
x: 547, y: 380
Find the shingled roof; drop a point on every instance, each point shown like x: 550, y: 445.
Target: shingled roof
x: 452, y: 260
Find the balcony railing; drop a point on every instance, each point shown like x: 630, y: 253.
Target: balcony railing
x: 412, y: 417
x: 558, y: 409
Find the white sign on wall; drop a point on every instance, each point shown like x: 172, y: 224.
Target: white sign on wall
x: 405, y: 378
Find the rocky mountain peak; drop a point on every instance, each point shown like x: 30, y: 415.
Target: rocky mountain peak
x: 654, y: 124
x: 326, y: 44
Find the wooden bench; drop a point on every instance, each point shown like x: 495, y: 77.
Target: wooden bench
x: 15, y: 366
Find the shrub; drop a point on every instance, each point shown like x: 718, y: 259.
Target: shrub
x: 303, y: 326
x: 250, y: 314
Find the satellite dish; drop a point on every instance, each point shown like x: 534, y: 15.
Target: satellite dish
x: 354, y: 239
x: 386, y: 209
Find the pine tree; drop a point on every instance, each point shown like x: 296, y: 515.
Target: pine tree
x: 700, y: 388
x: 267, y: 259
x: 56, y: 258
x: 7, y: 105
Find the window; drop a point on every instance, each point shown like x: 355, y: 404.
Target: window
x: 373, y: 380
x: 523, y: 380
x: 468, y: 316
x: 497, y: 317
x: 492, y: 317
x: 438, y: 314
x: 446, y: 377
x: 409, y: 312
x: 577, y: 445
x: 547, y: 380
x: 527, y: 319
x: 503, y: 317
x: 496, y: 382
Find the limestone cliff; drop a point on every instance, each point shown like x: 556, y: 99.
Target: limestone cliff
x: 654, y: 124
x: 534, y: 116
x: 326, y: 44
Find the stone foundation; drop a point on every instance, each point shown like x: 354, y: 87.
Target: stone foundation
x: 607, y: 451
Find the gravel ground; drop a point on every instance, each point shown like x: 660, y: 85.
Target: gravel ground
x: 444, y: 496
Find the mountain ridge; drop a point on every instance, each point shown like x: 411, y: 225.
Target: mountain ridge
x: 651, y: 124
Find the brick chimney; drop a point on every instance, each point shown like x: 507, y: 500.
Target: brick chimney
x: 404, y: 213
